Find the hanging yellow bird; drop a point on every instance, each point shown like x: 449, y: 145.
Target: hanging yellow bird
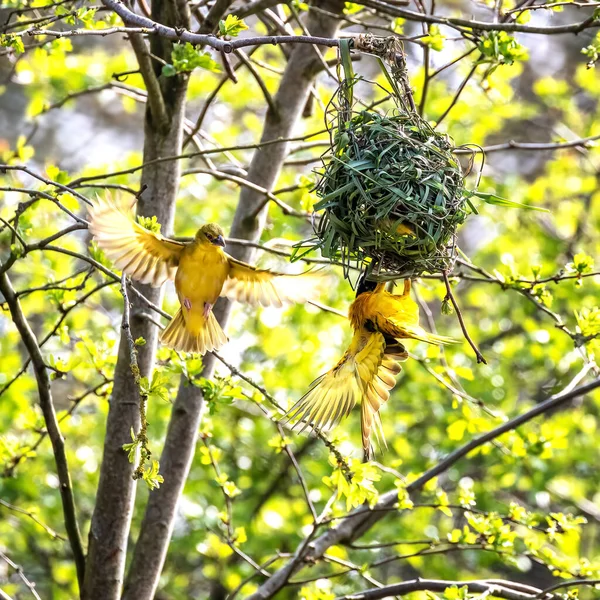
x: 202, y: 272
x: 367, y: 371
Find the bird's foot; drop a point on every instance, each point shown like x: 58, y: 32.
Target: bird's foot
x: 207, y: 308
x: 187, y: 303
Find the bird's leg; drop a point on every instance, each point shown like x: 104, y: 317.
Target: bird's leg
x: 406, y: 287
x: 187, y: 304
x: 207, y: 308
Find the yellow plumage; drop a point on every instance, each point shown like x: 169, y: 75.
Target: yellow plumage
x: 368, y: 370
x: 202, y: 272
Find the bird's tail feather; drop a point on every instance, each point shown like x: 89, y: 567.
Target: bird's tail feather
x: 418, y: 333
x: 177, y: 336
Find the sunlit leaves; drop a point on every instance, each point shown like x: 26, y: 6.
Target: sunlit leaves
x: 152, y: 477
x: 21, y: 153
x: 592, y: 51
x: 131, y: 448
x: 404, y: 501
x: 434, y: 39
x: 229, y: 488
x: 562, y: 523
x: 360, y: 488
x: 581, y: 265
x: 279, y: 443
x: 588, y: 320
x: 219, y: 392
x: 149, y: 223
x: 456, y: 430
x: 186, y: 57
x: 466, y: 494
x: 456, y: 593
x: 231, y: 26
x: 12, y: 41
x: 320, y: 590
x: 82, y: 15
x: 156, y: 389
x: 499, y: 48
x: 55, y: 174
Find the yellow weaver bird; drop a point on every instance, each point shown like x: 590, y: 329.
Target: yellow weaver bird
x: 368, y: 370
x: 202, y: 272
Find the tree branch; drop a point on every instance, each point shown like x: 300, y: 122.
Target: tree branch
x: 155, y: 97
x: 47, y: 406
x: 491, y: 588
x: 361, y: 520
x: 111, y: 520
x: 461, y: 24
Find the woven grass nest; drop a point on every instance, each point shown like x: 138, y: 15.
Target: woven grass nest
x: 392, y: 194
x: 391, y: 190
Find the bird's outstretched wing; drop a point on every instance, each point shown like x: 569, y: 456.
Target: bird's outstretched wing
x: 267, y: 288
x: 366, y: 372
x: 144, y: 255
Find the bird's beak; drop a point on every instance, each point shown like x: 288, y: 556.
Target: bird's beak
x: 219, y: 241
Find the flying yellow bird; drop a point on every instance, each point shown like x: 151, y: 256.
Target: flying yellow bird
x: 202, y: 272
x: 367, y: 371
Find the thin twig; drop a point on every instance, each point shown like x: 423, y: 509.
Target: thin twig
x: 47, y: 406
x: 450, y: 296
x: 141, y: 438
x: 29, y: 584
x: 22, y: 511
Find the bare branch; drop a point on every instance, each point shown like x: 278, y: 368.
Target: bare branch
x: 155, y: 97
x: 513, y: 145
x: 567, y: 584
x: 29, y: 584
x: 495, y: 588
x: 451, y: 298
x: 22, y: 511
x: 203, y: 39
x: 47, y: 406
x: 461, y: 24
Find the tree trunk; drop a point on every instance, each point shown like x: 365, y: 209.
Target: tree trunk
x: 165, y: 113
x: 249, y: 221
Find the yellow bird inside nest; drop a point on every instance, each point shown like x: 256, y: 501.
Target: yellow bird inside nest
x: 368, y: 370
x: 202, y: 272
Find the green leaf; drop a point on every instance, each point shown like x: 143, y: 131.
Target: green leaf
x: 152, y: 477
x: 12, y: 41
x: 435, y: 40
x: 186, y: 57
x: 582, y: 263
x: 149, y: 223
x: 500, y: 48
x: 169, y: 71
x: 231, y: 26
x: 493, y: 199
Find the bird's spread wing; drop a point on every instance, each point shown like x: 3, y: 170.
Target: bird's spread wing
x: 144, y: 255
x: 363, y: 372
x: 267, y: 288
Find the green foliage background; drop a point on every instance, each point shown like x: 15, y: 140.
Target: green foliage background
x: 548, y: 467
